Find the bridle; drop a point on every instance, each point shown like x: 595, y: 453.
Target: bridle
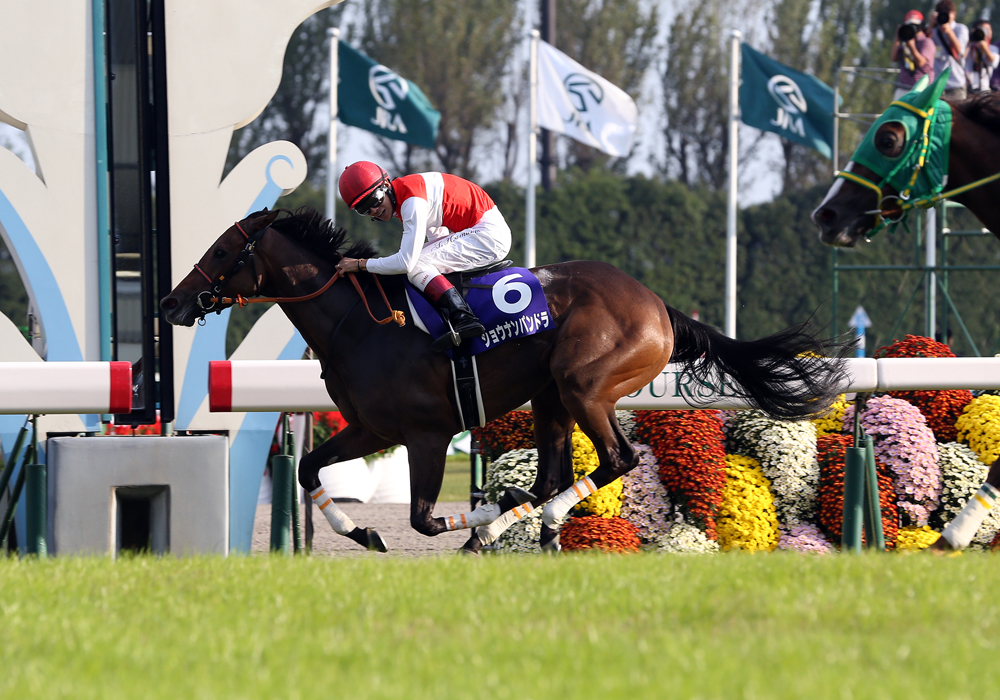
x: 212, y: 295
x: 212, y: 300
x: 924, y: 201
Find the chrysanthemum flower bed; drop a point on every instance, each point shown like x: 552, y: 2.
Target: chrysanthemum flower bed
x: 747, y: 519
x: 906, y: 446
x: 830, y: 453
x: 689, y: 448
x: 513, y: 431
x: 612, y: 534
x: 781, y: 485
x: 940, y: 408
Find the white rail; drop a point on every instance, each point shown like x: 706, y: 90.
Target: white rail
x: 296, y: 385
x: 65, y: 387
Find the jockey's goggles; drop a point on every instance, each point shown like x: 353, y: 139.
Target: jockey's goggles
x: 365, y: 206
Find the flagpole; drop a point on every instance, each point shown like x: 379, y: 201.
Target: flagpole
x: 529, y: 224
x: 734, y: 131
x: 333, y: 33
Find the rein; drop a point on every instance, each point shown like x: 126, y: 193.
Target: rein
x: 248, y: 250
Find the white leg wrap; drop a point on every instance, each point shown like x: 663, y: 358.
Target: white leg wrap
x: 556, y: 509
x: 483, y: 515
x: 960, y: 531
x: 337, y: 518
x: 490, y: 533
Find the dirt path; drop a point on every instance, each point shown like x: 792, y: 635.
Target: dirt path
x: 391, y: 520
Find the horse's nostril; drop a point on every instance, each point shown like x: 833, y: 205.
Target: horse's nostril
x: 169, y: 304
x: 826, y: 215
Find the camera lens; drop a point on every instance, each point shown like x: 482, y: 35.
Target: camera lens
x: 907, y: 32
x: 943, y: 17
x: 977, y: 34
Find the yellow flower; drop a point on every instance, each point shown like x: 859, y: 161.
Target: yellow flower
x: 913, y: 538
x: 979, y: 427
x: 833, y: 421
x: 747, y: 517
x: 606, y: 502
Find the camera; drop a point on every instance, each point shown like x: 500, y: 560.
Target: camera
x: 943, y: 18
x: 977, y: 34
x: 907, y: 32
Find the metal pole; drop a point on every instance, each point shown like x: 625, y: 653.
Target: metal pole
x: 529, y: 224
x: 734, y: 131
x: 548, y: 138
x: 836, y: 121
x: 854, y: 488
x: 930, y: 243
x: 101, y: 148
x: 35, y: 509
x: 333, y: 34
x: 873, y: 510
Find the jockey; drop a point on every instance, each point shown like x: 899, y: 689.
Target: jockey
x: 449, y: 225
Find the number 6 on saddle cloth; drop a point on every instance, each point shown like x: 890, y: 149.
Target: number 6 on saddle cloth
x: 508, y: 301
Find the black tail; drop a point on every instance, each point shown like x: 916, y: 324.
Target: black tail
x: 788, y: 375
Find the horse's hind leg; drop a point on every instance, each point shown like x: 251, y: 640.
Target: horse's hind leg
x: 616, y: 455
x: 553, y: 438
x: 350, y: 443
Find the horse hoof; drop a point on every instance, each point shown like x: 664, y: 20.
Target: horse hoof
x: 549, y: 540
x: 468, y: 552
x: 519, y: 494
x: 375, y: 541
x: 472, y: 545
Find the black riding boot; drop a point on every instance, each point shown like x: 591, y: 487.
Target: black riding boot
x: 463, y: 321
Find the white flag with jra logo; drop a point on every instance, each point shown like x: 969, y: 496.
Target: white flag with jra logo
x: 574, y: 101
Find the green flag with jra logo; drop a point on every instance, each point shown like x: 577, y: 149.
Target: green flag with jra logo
x: 375, y: 98
x: 774, y: 97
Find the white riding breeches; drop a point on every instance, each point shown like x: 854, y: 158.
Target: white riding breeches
x: 483, y: 244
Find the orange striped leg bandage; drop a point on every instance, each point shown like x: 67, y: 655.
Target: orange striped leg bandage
x: 556, y: 509
x: 483, y: 515
x: 960, y: 531
x: 337, y: 518
x: 490, y: 533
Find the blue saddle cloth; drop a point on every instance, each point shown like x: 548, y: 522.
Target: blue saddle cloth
x: 510, y: 303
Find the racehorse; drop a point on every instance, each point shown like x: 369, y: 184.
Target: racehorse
x: 896, y: 169
x: 610, y: 336
x: 919, y: 146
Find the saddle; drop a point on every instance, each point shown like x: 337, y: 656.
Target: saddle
x: 462, y: 281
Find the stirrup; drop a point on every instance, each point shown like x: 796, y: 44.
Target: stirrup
x: 450, y: 339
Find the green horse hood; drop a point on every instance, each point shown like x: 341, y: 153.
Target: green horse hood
x: 921, y: 113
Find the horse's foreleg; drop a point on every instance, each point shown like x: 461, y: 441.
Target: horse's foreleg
x: 350, y: 443
x: 959, y: 532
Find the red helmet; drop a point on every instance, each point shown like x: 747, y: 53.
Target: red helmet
x: 360, y: 180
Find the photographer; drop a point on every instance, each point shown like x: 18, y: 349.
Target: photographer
x: 952, y: 42
x: 913, y: 51
x: 983, y: 57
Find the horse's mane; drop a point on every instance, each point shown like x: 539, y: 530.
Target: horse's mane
x: 982, y: 108
x: 308, y: 228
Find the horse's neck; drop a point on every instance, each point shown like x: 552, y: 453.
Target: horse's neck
x: 291, y: 272
x: 975, y: 154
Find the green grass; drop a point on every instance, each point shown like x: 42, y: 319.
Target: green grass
x: 586, y: 626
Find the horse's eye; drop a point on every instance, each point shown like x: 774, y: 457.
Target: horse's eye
x: 888, y: 141
x: 220, y: 253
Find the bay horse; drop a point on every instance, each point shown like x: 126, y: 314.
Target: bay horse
x: 921, y: 150
x: 866, y: 195
x: 610, y: 336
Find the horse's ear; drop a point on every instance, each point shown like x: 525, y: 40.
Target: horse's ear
x: 268, y: 218
x: 930, y: 95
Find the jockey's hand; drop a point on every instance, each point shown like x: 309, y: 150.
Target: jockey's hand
x: 351, y: 265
